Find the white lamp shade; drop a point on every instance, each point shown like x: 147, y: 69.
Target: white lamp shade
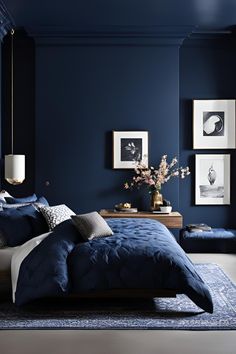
x: 15, y: 169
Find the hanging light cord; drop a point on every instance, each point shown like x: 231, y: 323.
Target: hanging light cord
x: 12, y: 91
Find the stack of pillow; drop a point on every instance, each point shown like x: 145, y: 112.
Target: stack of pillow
x: 20, y: 219
x: 24, y: 218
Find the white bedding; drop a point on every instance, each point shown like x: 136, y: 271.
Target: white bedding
x: 18, y: 257
x: 5, y: 258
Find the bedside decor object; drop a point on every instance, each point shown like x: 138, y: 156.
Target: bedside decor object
x: 128, y: 148
x: 166, y: 209
x: 120, y: 208
x: 125, y: 207
x: 155, y: 177
x: 156, y: 200
x: 14, y: 164
x: 212, y: 179
x: 214, y: 124
x: 166, y: 206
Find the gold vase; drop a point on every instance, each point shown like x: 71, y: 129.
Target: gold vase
x: 156, y: 200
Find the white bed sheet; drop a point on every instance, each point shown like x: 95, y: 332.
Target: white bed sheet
x: 19, y: 256
x: 5, y: 257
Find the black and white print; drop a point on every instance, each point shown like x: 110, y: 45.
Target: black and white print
x: 213, y: 123
x: 131, y: 149
x: 212, y: 179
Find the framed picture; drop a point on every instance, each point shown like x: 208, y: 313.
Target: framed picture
x: 214, y: 124
x: 129, y: 147
x: 212, y: 185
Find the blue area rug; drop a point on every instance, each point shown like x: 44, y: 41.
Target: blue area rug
x: 179, y: 313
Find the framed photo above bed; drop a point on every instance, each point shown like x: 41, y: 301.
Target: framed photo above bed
x: 214, y: 124
x: 212, y: 179
x: 128, y: 148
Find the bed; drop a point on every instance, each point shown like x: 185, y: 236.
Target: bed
x: 141, y: 258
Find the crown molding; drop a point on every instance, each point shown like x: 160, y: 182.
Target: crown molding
x: 111, y: 35
x: 214, y: 38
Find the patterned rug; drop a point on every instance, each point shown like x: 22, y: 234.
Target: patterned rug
x: 179, y: 313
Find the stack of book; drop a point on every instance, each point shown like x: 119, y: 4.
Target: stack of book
x: 198, y: 228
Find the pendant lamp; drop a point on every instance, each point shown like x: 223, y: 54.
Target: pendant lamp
x: 14, y: 164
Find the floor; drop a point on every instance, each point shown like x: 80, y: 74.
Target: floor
x: 129, y: 341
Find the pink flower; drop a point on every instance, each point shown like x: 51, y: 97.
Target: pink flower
x: 155, y: 177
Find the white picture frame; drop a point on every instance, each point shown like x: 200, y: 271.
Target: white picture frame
x: 129, y: 147
x: 212, y: 179
x: 214, y: 124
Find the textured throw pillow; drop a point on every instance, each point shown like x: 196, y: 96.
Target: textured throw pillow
x: 3, y: 195
x: 30, y: 199
x: 54, y: 215
x: 19, y: 225
x: 91, y: 225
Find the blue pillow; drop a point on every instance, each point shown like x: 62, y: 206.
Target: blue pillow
x: 41, y: 200
x: 30, y: 199
x: 19, y: 225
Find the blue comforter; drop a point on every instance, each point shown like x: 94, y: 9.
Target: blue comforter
x: 142, y: 253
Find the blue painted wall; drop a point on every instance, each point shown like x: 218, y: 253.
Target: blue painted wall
x: 207, y: 71
x: 85, y: 92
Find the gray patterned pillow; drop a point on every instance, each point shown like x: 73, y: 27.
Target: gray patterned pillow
x: 56, y: 214
x: 91, y: 225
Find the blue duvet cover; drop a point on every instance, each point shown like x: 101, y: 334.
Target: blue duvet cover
x: 142, y: 253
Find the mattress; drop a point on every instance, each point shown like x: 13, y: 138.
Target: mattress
x: 5, y: 258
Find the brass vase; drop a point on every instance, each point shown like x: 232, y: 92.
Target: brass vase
x: 156, y: 200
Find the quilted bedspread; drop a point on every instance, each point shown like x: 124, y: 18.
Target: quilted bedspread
x: 142, y: 253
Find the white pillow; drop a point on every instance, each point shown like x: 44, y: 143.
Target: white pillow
x: 54, y: 215
x: 4, y: 194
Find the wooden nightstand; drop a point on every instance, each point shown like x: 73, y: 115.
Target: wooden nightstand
x: 173, y: 220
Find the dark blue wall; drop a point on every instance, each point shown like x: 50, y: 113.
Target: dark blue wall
x: 85, y: 92
x: 207, y: 71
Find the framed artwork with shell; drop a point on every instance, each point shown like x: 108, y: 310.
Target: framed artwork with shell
x: 212, y: 179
